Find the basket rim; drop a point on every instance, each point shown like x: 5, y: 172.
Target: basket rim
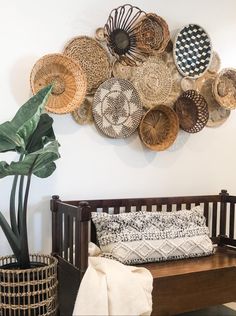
x: 17, y: 271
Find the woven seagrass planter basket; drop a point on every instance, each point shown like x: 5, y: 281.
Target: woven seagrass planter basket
x: 28, y: 292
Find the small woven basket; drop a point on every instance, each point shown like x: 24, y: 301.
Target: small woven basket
x: 152, y: 34
x: 68, y: 79
x: 29, y: 292
x: 224, y: 88
x: 159, y: 128
x: 192, y: 110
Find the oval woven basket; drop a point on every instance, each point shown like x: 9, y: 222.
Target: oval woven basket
x: 68, y: 79
x: 93, y: 59
x: 159, y: 128
x: 192, y: 51
x: 122, y: 71
x: 192, y: 111
x: 152, y: 34
x: 153, y: 82
x: 224, y: 88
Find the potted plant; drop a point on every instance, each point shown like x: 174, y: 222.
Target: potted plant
x: 29, y: 134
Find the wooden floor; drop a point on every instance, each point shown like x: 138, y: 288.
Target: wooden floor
x: 222, y: 310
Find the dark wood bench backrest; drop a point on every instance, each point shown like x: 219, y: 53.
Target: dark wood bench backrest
x: 71, y: 219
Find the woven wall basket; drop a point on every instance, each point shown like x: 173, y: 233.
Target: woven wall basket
x: 217, y: 114
x: 224, y: 88
x: 117, y: 109
x: 192, y: 51
x: 152, y: 34
x: 29, y: 292
x: 67, y: 77
x: 159, y: 128
x: 192, y: 110
x: 92, y: 57
x: 153, y: 82
x: 215, y: 63
x: 83, y: 115
x: 122, y: 71
x: 121, y: 34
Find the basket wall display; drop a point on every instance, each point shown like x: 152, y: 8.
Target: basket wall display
x: 121, y: 34
x: 153, y: 81
x: 159, y: 128
x: 68, y: 79
x: 83, y: 115
x: 192, y: 111
x: 224, y: 88
x: 117, y: 109
x: 29, y: 292
x: 152, y: 34
x: 93, y: 59
x: 192, y: 51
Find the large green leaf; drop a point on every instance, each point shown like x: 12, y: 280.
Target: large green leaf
x: 14, y: 135
x: 42, y: 134
x: 36, y: 163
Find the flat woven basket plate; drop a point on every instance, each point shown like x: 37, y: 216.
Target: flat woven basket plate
x: 93, y: 59
x: 83, y: 115
x: 153, y: 81
x: 68, y: 78
x: 159, y: 128
x: 117, y: 109
x: 192, y: 51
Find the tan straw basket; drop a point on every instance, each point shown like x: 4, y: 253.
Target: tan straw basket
x: 92, y: 57
x: 192, y: 110
x: 153, y: 82
x: 215, y: 63
x: 159, y: 128
x: 152, y: 34
x: 68, y: 79
x: 224, y: 88
x: 83, y: 115
x: 29, y: 292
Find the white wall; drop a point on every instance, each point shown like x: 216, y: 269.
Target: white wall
x: 92, y: 166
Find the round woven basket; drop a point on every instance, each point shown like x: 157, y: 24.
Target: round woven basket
x: 217, y: 114
x: 83, y: 115
x: 68, y: 79
x: 192, y: 111
x: 152, y: 34
x: 121, y: 33
x: 159, y: 128
x: 93, y: 59
x: 31, y: 291
x: 153, y: 82
x: 224, y: 88
x: 117, y: 109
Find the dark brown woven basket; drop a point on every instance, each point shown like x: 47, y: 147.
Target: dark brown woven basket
x: 153, y: 34
x: 159, y: 128
x: 192, y: 110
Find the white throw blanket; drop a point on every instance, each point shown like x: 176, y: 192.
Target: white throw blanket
x: 111, y: 288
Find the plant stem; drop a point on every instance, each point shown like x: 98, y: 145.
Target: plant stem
x: 20, y: 200
x: 13, y: 207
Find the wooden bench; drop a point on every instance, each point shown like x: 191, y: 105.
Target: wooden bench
x: 179, y: 286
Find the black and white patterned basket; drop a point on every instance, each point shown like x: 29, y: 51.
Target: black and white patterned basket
x: 192, y: 51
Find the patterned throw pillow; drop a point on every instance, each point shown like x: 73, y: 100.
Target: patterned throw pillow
x: 139, y: 237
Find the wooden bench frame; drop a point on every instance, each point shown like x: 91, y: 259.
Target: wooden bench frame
x: 179, y: 286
